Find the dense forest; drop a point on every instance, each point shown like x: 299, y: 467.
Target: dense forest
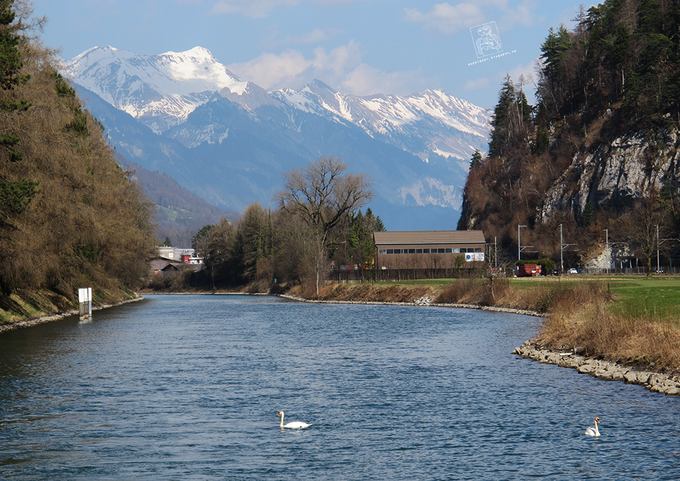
x: 318, y: 223
x: 614, y: 76
x: 69, y: 215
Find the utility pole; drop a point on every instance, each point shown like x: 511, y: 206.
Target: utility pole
x: 609, y: 259
x: 561, y: 252
x: 658, y: 267
x: 495, y: 252
x: 519, y: 242
x: 562, y: 246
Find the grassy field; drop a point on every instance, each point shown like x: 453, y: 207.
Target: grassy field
x: 656, y: 298
x: 633, y: 297
x: 634, y: 320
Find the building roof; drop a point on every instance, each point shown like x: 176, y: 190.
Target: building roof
x: 430, y: 237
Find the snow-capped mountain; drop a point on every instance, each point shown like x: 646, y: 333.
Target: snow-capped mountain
x: 161, y: 90
x: 439, y: 121
x: 228, y: 140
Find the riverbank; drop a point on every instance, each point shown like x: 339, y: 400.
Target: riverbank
x: 573, y: 315
x: 28, y: 309
x: 610, y: 371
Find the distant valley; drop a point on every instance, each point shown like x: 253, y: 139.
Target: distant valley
x: 228, y: 141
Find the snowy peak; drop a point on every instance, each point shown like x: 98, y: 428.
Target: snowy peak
x: 161, y: 90
x: 435, y: 115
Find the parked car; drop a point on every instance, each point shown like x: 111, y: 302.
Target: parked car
x: 573, y: 270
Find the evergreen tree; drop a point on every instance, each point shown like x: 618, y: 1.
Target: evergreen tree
x: 588, y: 214
x: 476, y: 160
x: 14, y: 196
x: 501, y: 121
x: 511, y: 117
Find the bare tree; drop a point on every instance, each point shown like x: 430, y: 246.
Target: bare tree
x: 642, y: 227
x: 321, y: 194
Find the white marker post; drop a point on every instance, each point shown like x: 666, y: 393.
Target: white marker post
x: 85, y: 302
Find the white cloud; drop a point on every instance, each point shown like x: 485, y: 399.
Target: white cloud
x: 447, y: 19
x: 523, y: 14
x: 367, y: 80
x: 249, y: 8
x: 529, y: 73
x: 315, y: 36
x: 341, y: 67
x: 292, y: 69
x: 450, y: 19
x: 260, y: 8
x: 477, y: 84
x: 270, y: 70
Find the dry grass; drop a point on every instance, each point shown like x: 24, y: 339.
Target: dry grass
x: 595, y: 332
x: 374, y: 293
x: 482, y: 292
x: 577, y: 316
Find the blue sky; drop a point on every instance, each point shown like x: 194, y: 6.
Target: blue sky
x: 356, y: 46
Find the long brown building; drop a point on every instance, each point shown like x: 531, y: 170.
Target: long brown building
x: 429, y: 249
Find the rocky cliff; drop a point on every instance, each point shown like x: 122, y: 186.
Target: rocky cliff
x: 614, y: 174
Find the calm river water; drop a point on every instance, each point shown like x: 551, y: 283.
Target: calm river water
x: 188, y: 387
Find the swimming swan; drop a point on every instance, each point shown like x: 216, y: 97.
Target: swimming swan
x: 594, y: 431
x: 294, y: 424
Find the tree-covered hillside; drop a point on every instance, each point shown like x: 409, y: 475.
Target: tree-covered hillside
x: 69, y: 215
x: 599, y: 149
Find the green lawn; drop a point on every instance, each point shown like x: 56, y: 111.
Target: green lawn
x: 637, y: 297
x: 655, y: 297
x: 418, y: 282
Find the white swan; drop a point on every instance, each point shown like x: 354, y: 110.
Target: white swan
x: 294, y: 424
x: 594, y: 431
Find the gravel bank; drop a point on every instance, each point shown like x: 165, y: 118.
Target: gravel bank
x: 654, y: 381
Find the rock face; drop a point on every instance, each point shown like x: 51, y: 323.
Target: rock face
x: 655, y: 382
x: 630, y: 167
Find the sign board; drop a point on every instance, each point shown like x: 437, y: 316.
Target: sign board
x: 85, y: 302
x: 474, y: 257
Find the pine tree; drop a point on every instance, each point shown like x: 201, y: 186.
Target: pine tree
x: 14, y: 196
x: 511, y: 117
x: 501, y: 122
x: 476, y: 160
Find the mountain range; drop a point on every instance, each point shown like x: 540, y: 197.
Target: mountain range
x: 229, y: 141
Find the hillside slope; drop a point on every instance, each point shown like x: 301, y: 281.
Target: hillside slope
x: 598, y: 155
x: 69, y: 215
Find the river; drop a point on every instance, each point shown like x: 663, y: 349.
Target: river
x: 188, y: 387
